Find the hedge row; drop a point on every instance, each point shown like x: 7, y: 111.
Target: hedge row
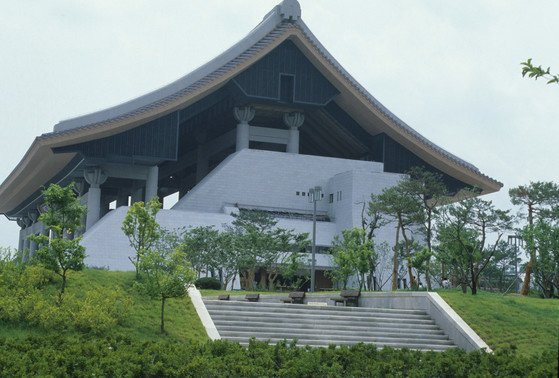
x: 60, y: 356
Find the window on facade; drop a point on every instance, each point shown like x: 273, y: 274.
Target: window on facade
x: 331, y: 198
x: 298, y: 193
x: 287, y: 86
x: 303, y: 194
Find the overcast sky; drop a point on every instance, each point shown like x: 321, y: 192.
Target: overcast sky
x: 450, y: 69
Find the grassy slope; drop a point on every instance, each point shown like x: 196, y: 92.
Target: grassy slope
x: 529, y: 323
x: 532, y: 324
x: 181, y: 320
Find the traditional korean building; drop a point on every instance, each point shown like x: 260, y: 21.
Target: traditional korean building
x: 254, y: 128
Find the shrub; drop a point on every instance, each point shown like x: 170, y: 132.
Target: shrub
x: 44, y: 314
x: 208, y: 283
x: 52, y: 355
x: 99, y: 311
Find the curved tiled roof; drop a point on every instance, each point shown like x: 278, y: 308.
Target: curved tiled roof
x: 281, y: 22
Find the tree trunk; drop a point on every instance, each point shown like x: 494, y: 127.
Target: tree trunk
x: 428, y: 277
x: 395, y: 260
x: 473, y: 278
x: 62, y: 287
x: 530, y: 266
x: 162, y: 315
x: 526, y: 284
x: 464, y: 287
x: 413, y: 283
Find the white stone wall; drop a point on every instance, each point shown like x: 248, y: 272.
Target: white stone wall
x: 259, y: 179
x: 268, y: 179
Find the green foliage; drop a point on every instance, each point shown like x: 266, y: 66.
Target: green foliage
x: 99, y: 312
x: 256, y: 241
x: 208, y: 283
x: 167, y: 274
x: 535, y: 72
x: 116, y: 356
x: 24, y: 300
x: 141, y: 228
x: 540, y: 201
x: 543, y: 238
x: 62, y: 217
x: 401, y: 205
x: 463, y: 238
x: 352, y: 254
x: 64, y: 212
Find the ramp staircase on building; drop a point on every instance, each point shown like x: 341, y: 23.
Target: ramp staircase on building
x: 325, y: 325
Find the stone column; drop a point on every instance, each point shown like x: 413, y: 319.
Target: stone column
x: 152, y: 183
x: 293, y: 121
x: 122, y: 198
x: 26, y: 244
x: 202, y: 163
x: 137, y: 192
x: 95, y: 178
x: 243, y: 115
x: 32, y: 249
x: 22, y: 226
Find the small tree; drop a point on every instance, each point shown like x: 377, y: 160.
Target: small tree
x: 539, y: 199
x: 167, y: 274
x: 63, y: 217
x: 258, y: 242
x: 543, y: 237
x: 463, y: 234
x: 142, y: 229
x: 399, y: 204
x: 353, y: 254
x: 430, y: 191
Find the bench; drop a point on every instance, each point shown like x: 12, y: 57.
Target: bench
x: 295, y: 297
x: 348, y: 297
x: 224, y: 297
x: 252, y: 297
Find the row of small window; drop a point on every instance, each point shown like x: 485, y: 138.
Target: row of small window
x: 330, y: 196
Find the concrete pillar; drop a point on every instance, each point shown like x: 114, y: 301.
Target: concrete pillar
x: 26, y: 244
x: 293, y: 121
x: 243, y: 115
x: 152, y: 183
x: 105, y: 206
x: 21, y: 224
x: 122, y: 198
x: 32, y: 249
x: 202, y: 163
x: 95, y: 178
x: 137, y: 193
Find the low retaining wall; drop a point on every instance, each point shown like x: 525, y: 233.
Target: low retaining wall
x: 444, y: 316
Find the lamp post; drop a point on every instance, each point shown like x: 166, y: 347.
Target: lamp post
x: 315, y: 195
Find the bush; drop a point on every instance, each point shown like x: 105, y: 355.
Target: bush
x: 208, y: 283
x: 53, y: 355
x: 99, y: 311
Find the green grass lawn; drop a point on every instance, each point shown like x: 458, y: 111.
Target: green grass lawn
x: 181, y: 320
x: 531, y: 324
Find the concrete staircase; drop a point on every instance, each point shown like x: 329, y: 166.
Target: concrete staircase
x: 321, y: 326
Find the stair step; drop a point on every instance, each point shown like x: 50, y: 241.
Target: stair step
x: 319, y: 316
x: 321, y: 326
x: 223, y: 330
x: 318, y: 343
x: 334, y: 338
x: 311, y: 310
x: 209, y: 302
x: 423, y: 329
